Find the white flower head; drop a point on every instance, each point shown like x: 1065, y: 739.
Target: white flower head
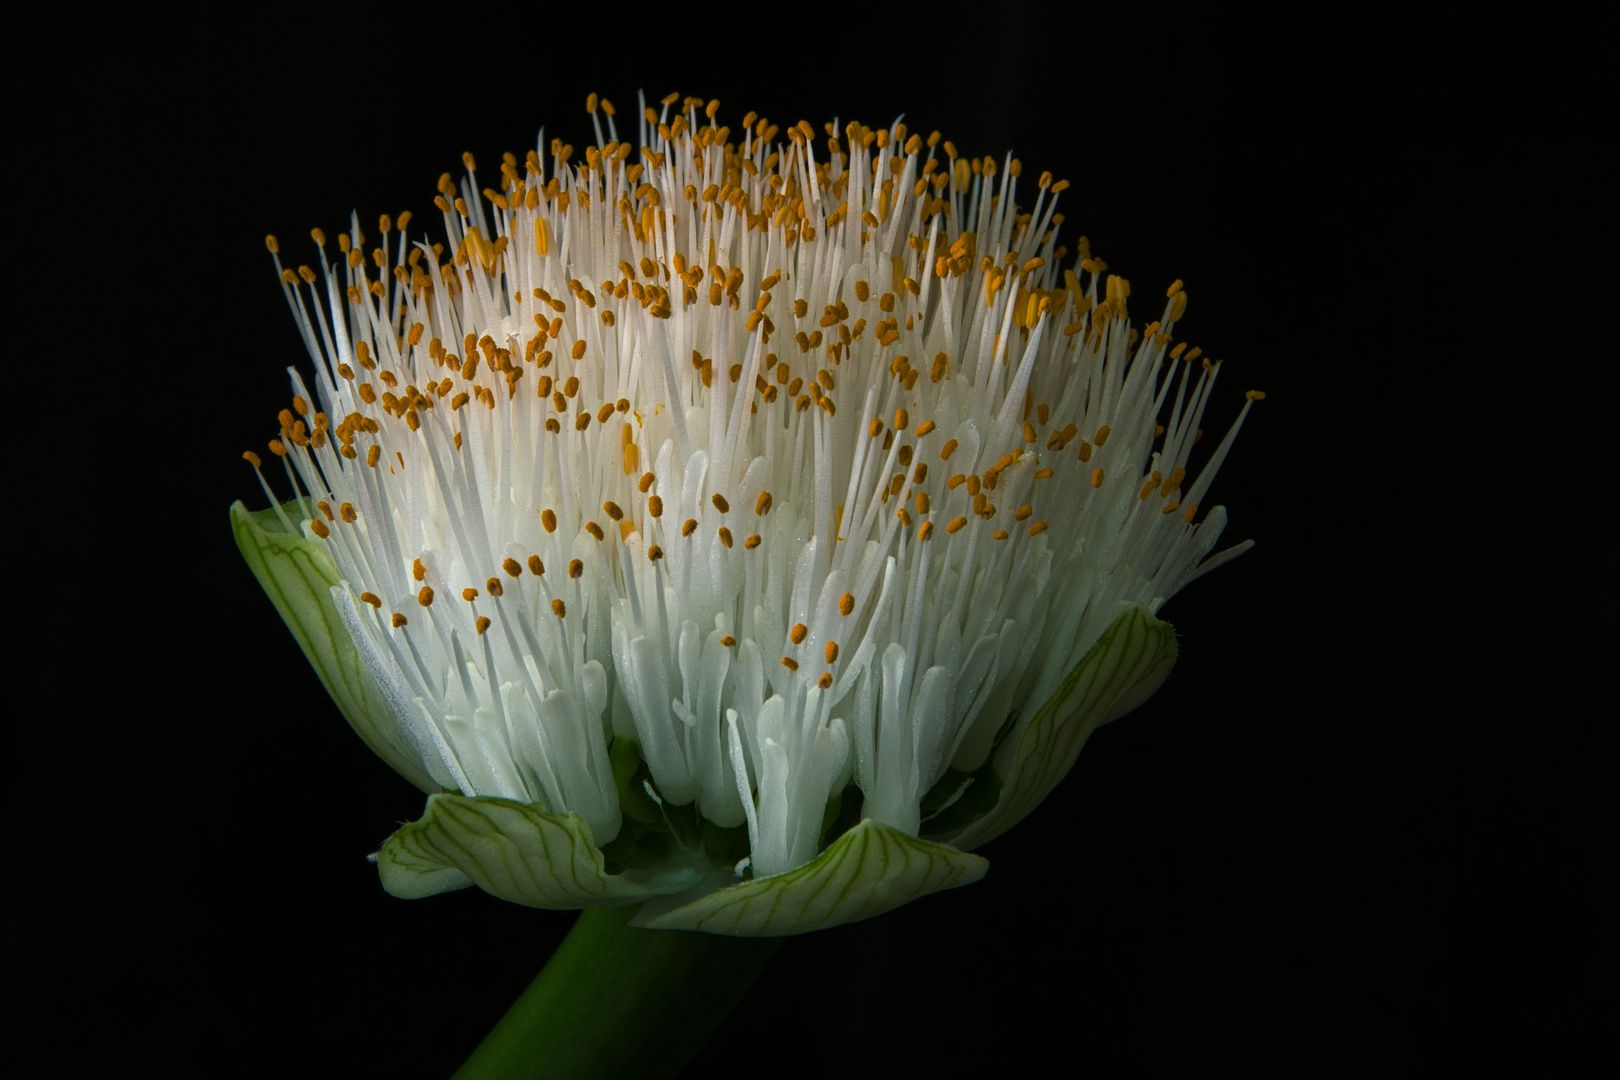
x: 788, y: 467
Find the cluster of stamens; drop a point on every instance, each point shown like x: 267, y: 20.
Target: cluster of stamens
x: 846, y: 466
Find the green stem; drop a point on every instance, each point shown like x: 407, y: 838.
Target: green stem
x: 618, y: 1001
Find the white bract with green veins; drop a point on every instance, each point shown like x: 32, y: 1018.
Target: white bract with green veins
x: 748, y: 524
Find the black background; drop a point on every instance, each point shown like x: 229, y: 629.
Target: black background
x: 1367, y: 828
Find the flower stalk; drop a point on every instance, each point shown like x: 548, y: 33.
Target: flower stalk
x: 618, y: 1001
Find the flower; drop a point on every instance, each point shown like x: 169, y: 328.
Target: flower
x: 724, y: 520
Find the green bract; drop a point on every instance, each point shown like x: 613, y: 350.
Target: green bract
x: 1129, y: 662
x: 298, y: 576
x: 516, y: 852
x: 529, y: 855
x: 870, y: 869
